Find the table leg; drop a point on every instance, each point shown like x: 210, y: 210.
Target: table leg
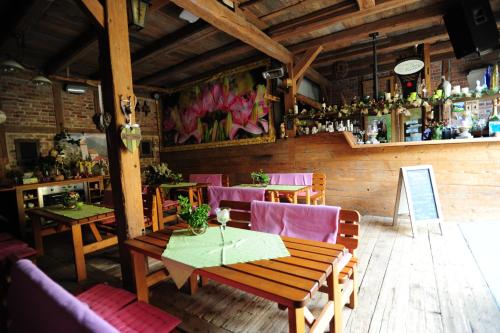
x: 308, y: 196
x: 335, y: 295
x: 81, y: 271
x: 37, y: 233
x: 295, y: 201
x: 139, y: 267
x: 296, y: 320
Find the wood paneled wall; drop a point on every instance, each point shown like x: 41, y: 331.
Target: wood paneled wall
x: 468, y: 175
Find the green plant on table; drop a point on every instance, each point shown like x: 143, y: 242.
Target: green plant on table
x: 260, y: 177
x: 70, y: 199
x: 196, y: 217
x: 161, y: 174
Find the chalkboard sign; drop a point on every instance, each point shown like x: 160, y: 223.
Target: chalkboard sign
x: 420, y: 200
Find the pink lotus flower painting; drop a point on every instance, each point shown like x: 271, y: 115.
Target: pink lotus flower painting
x: 229, y: 108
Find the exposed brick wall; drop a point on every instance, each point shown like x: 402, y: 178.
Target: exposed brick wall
x: 26, y: 105
x: 78, y: 109
x: 30, y: 108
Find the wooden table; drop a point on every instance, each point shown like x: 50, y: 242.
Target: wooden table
x: 64, y: 223
x: 274, y: 191
x: 291, y: 281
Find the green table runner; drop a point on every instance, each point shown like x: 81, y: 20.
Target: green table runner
x: 82, y: 212
x: 218, y: 247
x: 275, y: 187
x: 178, y: 185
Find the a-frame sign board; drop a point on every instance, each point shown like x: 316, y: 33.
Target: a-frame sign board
x: 417, y: 196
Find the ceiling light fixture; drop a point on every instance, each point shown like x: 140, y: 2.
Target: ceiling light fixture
x: 10, y: 65
x: 188, y: 16
x: 41, y: 80
x: 137, y: 12
x: 75, y: 89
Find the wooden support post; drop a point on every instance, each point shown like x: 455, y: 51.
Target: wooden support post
x: 427, y: 67
x: 124, y: 165
x: 305, y: 61
x: 289, y: 99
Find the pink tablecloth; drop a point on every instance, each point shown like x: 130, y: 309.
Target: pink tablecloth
x: 218, y: 193
x: 210, y: 178
x: 291, y: 178
x: 318, y: 223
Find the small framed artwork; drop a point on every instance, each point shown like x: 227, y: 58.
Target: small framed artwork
x: 146, y: 148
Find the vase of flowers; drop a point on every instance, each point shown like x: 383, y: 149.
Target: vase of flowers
x: 260, y: 178
x: 195, y: 217
x: 70, y: 200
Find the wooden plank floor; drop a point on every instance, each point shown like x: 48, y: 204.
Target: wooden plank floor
x: 430, y: 283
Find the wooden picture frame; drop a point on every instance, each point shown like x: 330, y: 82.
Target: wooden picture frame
x: 22, y: 145
x: 412, y: 199
x: 268, y: 137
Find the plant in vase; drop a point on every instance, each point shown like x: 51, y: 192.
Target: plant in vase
x: 70, y: 200
x: 260, y: 178
x: 161, y: 174
x: 195, y: 217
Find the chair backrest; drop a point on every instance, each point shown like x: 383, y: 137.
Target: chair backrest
x: 150, y: 208
x: 318, y: 182
x: 215, y: 179
x: 349, y: 229
x: 217, y: 193
x: 240, y: 213
x: 38, y: 304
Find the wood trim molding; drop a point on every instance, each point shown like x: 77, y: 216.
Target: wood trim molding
x: 58, y: 106
x: 365, y: 4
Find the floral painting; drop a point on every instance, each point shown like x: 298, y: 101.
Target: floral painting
x: 231, y: 107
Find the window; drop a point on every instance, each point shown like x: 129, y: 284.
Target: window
x: 27, y: 152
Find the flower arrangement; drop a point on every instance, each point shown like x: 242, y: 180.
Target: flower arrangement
x: 161, y: 174
x: 195, y: 217
x: 70, y: 199
x: 259, y: 177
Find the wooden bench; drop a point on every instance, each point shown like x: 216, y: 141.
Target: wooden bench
x: 100, y: 309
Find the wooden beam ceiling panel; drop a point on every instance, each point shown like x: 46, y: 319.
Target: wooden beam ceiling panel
x: 21, y: 17
x: 430, y: 35
x: 76, y: 50
x: 421, y: 17
x: 225, y: 20
x: 327, y: 17
x: 365, y: 4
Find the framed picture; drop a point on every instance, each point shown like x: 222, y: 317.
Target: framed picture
x: 384, y: 125
x: 227, y: 109
x: 146, y: 148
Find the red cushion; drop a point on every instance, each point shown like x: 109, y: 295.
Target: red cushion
x: 142, y: 317
x: 106, y: 300
x: 23, y: 253
x: 168, y: 204
x: 9, y: 247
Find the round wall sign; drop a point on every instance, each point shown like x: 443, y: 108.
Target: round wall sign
x: 409, y: 66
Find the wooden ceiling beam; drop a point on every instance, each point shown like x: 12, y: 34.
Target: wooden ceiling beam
x: 21, y: 16
x: 430, y: 35
x: 174, y: 40
x: 74, y: 51
x: 217, y: 55
x: 365, y: 4
x: 94, y: 9
x: 304, y: 62
x: 225, y: 20
x: 158, y: 4
x: 327, y: 17
x: 431, y: 15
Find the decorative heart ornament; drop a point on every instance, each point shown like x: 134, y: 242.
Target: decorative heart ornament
x: 131, y: 136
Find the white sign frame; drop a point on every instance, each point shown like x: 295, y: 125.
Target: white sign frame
x: 404, y: 203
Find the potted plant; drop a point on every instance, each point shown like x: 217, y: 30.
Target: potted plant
x: 161, y: 174
x: 260, y: 178
x: 195, y: 217
x: 70, y: 200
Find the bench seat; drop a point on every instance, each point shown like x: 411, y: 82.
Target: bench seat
x: 101, y: 309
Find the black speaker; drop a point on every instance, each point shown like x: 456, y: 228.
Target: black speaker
x: 471, y: 27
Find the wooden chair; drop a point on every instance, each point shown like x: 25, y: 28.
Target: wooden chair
x: 240, y: 213
x: 167, y: 209
x: 318, y: 187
